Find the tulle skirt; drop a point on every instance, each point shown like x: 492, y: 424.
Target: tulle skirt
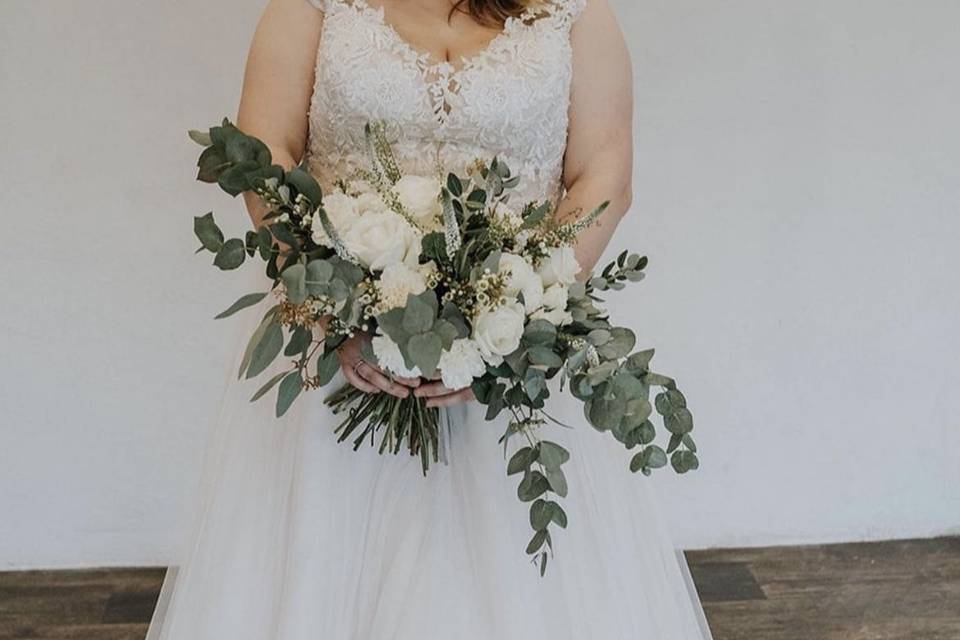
x: 299, y: 537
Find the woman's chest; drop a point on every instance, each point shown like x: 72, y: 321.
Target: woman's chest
x: 509, y: 90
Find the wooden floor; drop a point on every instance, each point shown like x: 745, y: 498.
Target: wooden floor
x: 904, y: 590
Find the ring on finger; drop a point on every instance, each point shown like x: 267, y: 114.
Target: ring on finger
x: 357, y: 365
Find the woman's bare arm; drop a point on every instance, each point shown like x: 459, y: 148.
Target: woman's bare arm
x: 598, y: 164
x: 278, y: 84
x: 277, y: 88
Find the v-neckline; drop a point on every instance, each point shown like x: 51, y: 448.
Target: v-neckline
x: 426, y: 60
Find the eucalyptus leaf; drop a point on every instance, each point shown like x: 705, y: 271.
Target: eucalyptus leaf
x: 552, y: 455
x: 558, y: 481
x: 290, y: 388
x: 231, y: 255
x: 300, y: 339
x: 533, y: 485
x: 327, y: 367
x: 306, y: 184
x: 539, y: 538
x: 539, y: 332
x: 540, y: 514
x: 266, y: 350
x: 425, y: 350
x: 419, y: 315
x: 558, y: 515
x: 654, y: 457
x: 294, y: 279
x: 521, y: 460
x: 270, y: 385
x: 268, y: 319
x: 207, y: 231
x: 534, y: 383
x: 202, y: 138
x: 246, y: 301
x: 680, y: 422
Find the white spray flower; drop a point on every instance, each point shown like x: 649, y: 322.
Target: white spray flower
x: 396, y: 282
x: 389, y: 357
x: 461, y: 364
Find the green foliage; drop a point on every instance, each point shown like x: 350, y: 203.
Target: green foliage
x: 594, y: 359
x: 245, y: 301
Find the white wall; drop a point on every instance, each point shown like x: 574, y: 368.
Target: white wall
x: 797, y: 192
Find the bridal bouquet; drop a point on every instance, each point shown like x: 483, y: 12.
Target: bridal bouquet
x: 454, y: 282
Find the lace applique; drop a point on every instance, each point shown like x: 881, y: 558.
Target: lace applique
x: 510, y: 99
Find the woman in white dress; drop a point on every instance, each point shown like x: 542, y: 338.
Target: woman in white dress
x: 299, y: 537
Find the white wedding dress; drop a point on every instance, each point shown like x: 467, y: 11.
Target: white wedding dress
x: 301, y: 538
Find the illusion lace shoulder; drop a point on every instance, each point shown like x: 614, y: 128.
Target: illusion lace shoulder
x: 298, y: 537
x: 510, y: 99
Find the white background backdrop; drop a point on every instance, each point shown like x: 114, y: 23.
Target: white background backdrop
x: 796, y: 189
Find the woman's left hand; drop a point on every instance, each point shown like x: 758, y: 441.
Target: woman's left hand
x: 440, y: 396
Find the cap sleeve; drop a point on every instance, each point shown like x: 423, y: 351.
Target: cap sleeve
x: 563, y: 12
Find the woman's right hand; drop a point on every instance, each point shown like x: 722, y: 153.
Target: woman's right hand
x: 368, y: 377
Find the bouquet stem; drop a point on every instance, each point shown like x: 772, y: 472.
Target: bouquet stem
x: 402, y: 423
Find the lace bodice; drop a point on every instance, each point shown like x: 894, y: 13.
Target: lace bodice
x: 510, y: 99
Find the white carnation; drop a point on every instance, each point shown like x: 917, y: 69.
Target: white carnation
x: 420, y: 195
x: 560, y: 265
x: 342, y: 211
x: 522, y: 279
x: 497, y: 332
x: 396, y: 282
x: 378, y: 239
x: 461, y: 364
x: 390, y: 359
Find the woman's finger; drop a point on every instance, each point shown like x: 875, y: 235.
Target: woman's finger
x: 373, y: 375
x: 457, y: 397
x: 354, y: 379
x: 413, y: 383
x: 432, y: 389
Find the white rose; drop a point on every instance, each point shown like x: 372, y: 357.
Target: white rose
x: 341, y: 210
x: 396, y: 282
x: 420, y: 195
x: 523, y: 279
x: 560, y: 265
x: 498, y: 332
x: 379, y: 239
x: 389, y: 357
x: 370, y: 202
x: 461, y: 364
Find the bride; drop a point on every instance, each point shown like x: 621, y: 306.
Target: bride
x: 299, y: 537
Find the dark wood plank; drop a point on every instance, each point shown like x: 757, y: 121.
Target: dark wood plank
x: 98, y: 604
x: 896, y: 590
x: 725, y: 582
x: 899, y: 590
